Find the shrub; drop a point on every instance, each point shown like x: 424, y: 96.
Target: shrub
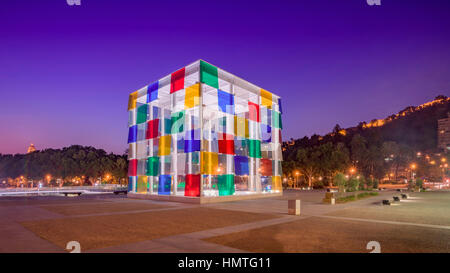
x: 362, y: 183
x: 353, y: 184
x: 411, y: 184
x: 375, y: 183
x: 346, y: 199
x: 340, y: 181
x: 355, y: 197
x: 419, y: 183
x: 366, y: 194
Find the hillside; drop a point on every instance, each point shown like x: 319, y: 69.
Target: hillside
x: 414, y: 126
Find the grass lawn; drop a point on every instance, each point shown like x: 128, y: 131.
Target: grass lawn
x: 355, y: 197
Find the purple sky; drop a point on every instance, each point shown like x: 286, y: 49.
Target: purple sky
x: 66, y: 71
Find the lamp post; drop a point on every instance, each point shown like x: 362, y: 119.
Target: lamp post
x: 444, y: 169
x: 413, y: 166
x: 48, y: 177
x: 352, y: 171
x: 297, y: 173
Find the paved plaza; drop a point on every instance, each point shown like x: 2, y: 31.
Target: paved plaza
x: 111, y: 223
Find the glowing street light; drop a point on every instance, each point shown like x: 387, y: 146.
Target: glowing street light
x: 297, y: 173
x: 413, y: 166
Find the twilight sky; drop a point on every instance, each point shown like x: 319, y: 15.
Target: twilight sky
x: 66, y: 71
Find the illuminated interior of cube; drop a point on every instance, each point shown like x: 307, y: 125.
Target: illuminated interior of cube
x: 202, y: 131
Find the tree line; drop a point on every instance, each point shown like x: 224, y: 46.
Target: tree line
x: 374, y: 153
x: 85, y: 164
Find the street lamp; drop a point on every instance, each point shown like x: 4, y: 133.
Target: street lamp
x: 297, y: 173
x: 413, y: 166
x: 352, y: 171
x: 444, y: 167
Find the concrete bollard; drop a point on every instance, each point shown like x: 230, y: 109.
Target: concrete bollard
x: 294, y: 207
x: 333, y: 201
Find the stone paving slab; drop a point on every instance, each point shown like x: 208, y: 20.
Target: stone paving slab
x: 109, y: 207
x: 324, y: 234
x: 191, y: 242
x: 101, y: 231
x: 15, y: 238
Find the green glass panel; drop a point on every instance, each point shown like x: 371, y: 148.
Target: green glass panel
x: 208, y: 74
x: 195, y: 158
x: 153, y: 166
x: 276, y: 119
x: 167, y: 126
x: 177, y: 119
x: 141, y: 114
x: 254, y: 148
x: 226, y: 184
x: 223, y: 121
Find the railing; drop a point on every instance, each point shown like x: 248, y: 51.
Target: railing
x: 98, y: 188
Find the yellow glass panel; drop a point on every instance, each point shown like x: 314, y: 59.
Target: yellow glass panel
x: 209, y: 162
x: 276, y: 183
x: 132, y: 100
x: 192, y: 97
x: 241, y: 127
x: 164, y: 145
x: 266, y: 98
x: 142, y: 184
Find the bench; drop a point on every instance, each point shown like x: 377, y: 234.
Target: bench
x: 116, y: 192
x: 77, y: 193
x: 396, y: 198
x: 330, y: 198
x: 386, y: 202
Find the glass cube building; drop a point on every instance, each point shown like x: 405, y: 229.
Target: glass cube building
x: 203, y: 132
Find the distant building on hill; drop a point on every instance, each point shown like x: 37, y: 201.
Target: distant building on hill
x: 444, y: 133
x: 31, y: 148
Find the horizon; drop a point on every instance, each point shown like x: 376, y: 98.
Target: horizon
x: 123, y: 153
x: 68, y: 70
